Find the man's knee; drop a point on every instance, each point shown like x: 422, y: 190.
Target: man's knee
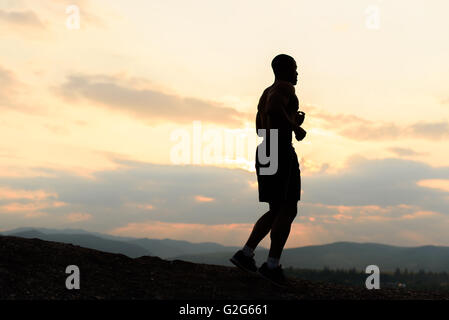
x: 286, y: 209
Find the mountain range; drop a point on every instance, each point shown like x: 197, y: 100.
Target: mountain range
x: 131, y: 247
x: 338, y: 255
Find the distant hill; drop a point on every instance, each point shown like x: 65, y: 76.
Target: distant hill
x: 35, y: 269
x: 132, y: 247
x: 338, y: 255
x: 88, y: 241
x: 167, y: 248
x: 346, y: 255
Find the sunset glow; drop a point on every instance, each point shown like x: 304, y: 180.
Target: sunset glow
x: 142, y: 121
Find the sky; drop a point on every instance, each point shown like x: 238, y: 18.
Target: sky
x: 138, y: 118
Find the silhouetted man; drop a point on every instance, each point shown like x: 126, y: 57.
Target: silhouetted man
x: 277, y: 109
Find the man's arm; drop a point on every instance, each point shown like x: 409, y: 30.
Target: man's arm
x: 278, y: 101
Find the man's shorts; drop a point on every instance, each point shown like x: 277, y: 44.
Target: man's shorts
x: 285, y: 185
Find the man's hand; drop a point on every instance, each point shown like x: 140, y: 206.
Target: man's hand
x: 299, y: 118
x: 300, y: 133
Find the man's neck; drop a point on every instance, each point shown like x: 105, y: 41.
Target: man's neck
x: 282, y: 80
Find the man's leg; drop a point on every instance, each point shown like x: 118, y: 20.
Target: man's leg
x: 262, y: 227
x: 244, y: 258
x: 280, y: 231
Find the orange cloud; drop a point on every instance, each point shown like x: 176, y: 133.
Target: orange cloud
x: 144, y: 206
x: 203, y: 199
x: 371, y: 213
x: 310, y: 167
x: 13, y: 194
x: 342, y: 209
x: 342, y: 217
x: 253, y: 184
x: 374, y: 218
x: 441, y: 184
x: 421, y: 214
x: 36, y: 200
x: 25, y: 207
x: 21, y: 207
x: 78, y: 216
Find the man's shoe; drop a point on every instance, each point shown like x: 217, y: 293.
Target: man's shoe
x: 275, y: 275
x: 244, y: 262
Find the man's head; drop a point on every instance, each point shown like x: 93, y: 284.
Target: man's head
x: 284, y: 68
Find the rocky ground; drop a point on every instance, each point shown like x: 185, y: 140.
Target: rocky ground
x: 35, y: 269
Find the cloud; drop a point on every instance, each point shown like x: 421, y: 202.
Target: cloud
x: 20, y: 207
x: 149, y: 105
x: 143, y: 206
x: 359, y: 129
x: 36, y: 214
x: 370, y: 200
x: 429, y: 130
x: 381, y: 182
x: 371, y: 213
x: 27, y: 203
x: 29, y: 24
x: 14, y: 194
x: 390, y: 131
x: 143, y: 190
x: 57, y: 129
x: 404, y: 151
x: 7, y: 83
x: 331, y: 120
x: 12, y: 91
x: 78, y: 216
x: 441, y: 184
x: 25, y: 18
x: 203, y: 199
x: 6, y: 77
x: 421, y: 214
x: 340, y: 216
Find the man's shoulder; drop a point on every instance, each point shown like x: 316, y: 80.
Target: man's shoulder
x: 283, y: 87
